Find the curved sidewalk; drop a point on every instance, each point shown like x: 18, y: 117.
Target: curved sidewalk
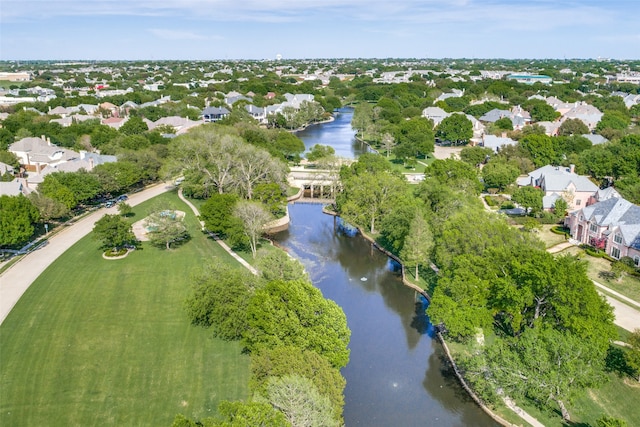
x: 220, y: 242
x: 17, y: 278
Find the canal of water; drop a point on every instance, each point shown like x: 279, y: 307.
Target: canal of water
x: 396, y: 375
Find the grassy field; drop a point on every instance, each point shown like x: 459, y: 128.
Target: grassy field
x: 107, y: 342
x: 628, y: 286
x: 550, y: 239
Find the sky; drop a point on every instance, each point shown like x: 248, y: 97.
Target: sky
x: 298, y: 29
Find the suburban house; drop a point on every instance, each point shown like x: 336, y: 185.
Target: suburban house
x: 612, y: 224
x: 36, y: 154
x: 519, y: 117
x: 15, y: 188
x: 179, y: 124
x: 561, y: 182
x: 496, y: 142
x: 213, y: 114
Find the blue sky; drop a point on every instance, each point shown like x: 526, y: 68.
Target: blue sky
x: 252, y: 29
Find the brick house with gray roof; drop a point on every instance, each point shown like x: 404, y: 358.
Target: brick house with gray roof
x: 612, y: 225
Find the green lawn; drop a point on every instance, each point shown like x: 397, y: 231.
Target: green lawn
x: 627, y: 285
x: 107, y: 342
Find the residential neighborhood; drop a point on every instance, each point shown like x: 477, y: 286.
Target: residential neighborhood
x: 495, y: 202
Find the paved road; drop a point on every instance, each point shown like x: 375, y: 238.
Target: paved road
x: 15, y: 281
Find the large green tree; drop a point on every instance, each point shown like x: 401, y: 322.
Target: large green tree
x: 295, y: 313
x: 298, y: 398
x: 288, y: 360
x: 114, y: 232
x: 419, y: 244
x: 543, y: 364
x: 17, y: 218
x: 529, y: 198
x: 456, y: 128
x: 219, y: 299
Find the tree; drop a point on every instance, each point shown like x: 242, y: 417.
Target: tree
x: 47, y: 207
x: 114, y: 232
x: 415, y: 138
x: 367, y: 197
x: 295, y: 313
x: 255, y: 166
x: 543, y: 112
x: 165, y: 227
x: 541, y: 149
x: 134, y: 126
x: 219, y: 299
x: 632, y: 355
x: 272, y: 197
x: 243, y: 414
x: 529, y: 197
x: 287, y: 360
x: 300, y: 401
x: 572, y: 127
x: 545, y: 365
x: 475, y: 155
x: 499, y: 174
x: 52, y: 188
x: 124, y: 209
x: 279, y: 265
x: 254, y: 217
x: 319, y: 151
x: 388, y: 142
x: 117, y: 177
x: 456, y: 128
x: 613, y: 120
x: 17, y: 217
x: 607, y: 421
x: 504, y: 123
x: 418, y: 245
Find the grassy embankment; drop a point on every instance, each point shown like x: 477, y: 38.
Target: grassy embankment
x: 107, y: 342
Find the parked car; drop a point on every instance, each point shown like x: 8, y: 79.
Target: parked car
x: 109, y: 204
x: 122, y: 198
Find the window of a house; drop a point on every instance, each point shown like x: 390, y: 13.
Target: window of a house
x: 593, y: 228
x: 617, y: 238
x: 636, y: 261
x: 615, y: 252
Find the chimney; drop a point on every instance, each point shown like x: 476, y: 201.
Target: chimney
x: 48, y: 141
x: 42, y: 137
x: 91, y: 164
x: 504, y: 134
x: 38, y: 168
x: 572, y: 168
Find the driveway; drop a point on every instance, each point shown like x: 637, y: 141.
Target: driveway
x: 15, y: 281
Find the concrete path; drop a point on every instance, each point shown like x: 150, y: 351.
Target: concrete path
x: 215, y: 237
x: 15, y: 280
x: 521, y: 412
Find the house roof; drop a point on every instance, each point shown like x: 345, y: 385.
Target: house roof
x: 595, y: 138
x: 4, y: 168
x: 13, y: 188
x: 495, y: 115
x: 40, y: 151
x: 619, y: 215
x: 495, y: 142
x: 557, y: 179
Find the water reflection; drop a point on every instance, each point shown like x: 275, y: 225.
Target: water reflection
x: 338, y: 134
x: 391, y: 350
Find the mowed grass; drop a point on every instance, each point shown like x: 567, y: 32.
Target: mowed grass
x: 627, y: 285
x: 108, y: 342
